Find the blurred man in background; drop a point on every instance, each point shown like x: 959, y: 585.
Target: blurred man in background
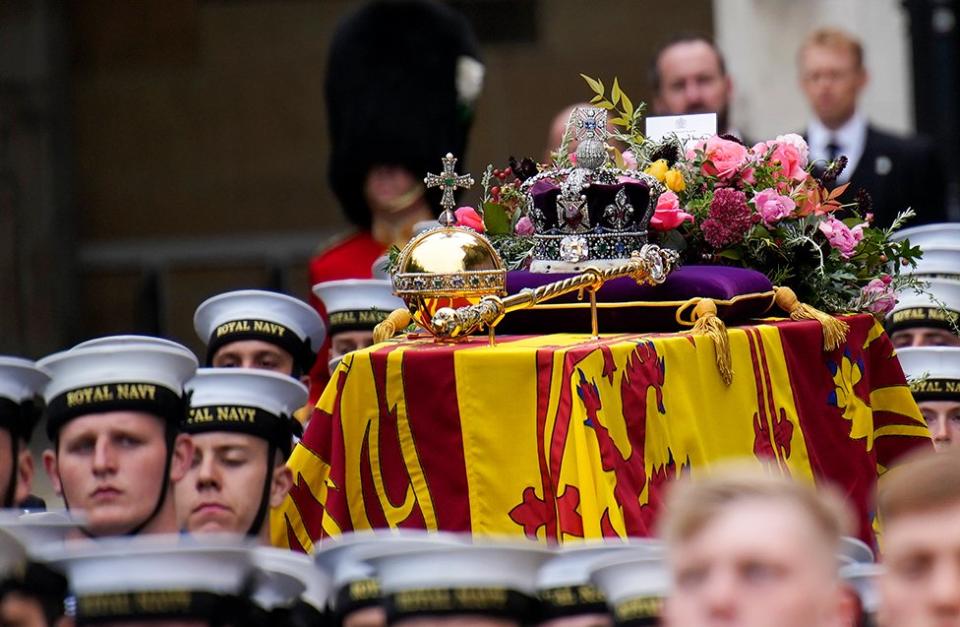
x: 688, y: 75
x: 897, y: 172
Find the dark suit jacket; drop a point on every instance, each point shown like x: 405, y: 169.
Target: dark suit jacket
x: 900, y: 172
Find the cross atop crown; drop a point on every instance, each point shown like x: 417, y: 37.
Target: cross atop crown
x: 590, y: 123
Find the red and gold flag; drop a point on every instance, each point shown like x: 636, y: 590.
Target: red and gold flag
x: 563, y: 437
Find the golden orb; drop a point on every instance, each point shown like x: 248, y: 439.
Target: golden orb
x: 450, y: 266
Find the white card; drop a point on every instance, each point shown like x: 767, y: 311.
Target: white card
x: 693, y: 126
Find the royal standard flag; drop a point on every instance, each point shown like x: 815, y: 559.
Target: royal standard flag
x: 564, y: 437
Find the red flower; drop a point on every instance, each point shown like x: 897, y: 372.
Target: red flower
x: 468, y: 217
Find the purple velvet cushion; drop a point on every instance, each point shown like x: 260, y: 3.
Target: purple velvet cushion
x: 645, y: 307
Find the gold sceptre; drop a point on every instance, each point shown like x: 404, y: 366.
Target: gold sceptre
x: 650, y: 265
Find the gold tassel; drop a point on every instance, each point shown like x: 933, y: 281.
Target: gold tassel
x: 397, y: 320
x: 834, y: 330
x: 707, y: 323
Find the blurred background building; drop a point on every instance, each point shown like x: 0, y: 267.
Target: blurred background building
x: 154, y: 153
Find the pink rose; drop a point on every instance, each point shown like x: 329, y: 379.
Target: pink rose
x: 724, y: 158
x: 790, y: 160
x: 629, y: 159
x: 468, y: 217
x: 842, y: 237
x: 879, y: 295
x: 668, y: 214
x: 524, y: 226
x: 797, y: 142
x: 772, y: 206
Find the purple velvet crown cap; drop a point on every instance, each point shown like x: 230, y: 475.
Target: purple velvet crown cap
x: 600, y: 197
x: 642, y: 308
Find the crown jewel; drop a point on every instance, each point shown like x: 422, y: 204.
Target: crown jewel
x: 590, y: 212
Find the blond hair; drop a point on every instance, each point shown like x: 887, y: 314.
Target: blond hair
x: 692, y: 504
x: 835, y: 38
x: 922, y: 482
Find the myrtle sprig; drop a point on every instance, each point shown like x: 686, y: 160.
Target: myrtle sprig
x: 627, y: 116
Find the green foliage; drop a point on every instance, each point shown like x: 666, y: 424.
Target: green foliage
x: 496, y: 219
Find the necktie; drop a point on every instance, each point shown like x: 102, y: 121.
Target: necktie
x: 833, y: 150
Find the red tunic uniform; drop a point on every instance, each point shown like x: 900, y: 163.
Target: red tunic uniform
x: 350, y: 258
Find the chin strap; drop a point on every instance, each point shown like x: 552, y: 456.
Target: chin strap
x: 293, y: 429
x: 170, y: 431
x: 11, y: 490
x: 264, y: 506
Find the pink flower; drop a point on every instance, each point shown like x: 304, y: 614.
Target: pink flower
x: 772, y: 206
x: 797, y: 142
x: 842, y: 237
x: 468, y: 217
x: 668, y: 214
x: 791, y: 163
x: 789, y: 151
x: 728, y: 219
x: 524, y: 226
x: 723, y: 158
x: 879, y: 295
x: 629, y: 159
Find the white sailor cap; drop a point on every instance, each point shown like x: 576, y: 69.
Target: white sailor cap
x: 128, y: 340
x: 20, y: 381
x: 103, y: 378
x: 932, y: 371
x: 380, y: 269
x: 917, y: 308
x: 635, y: 587
x: 255, y: 402
x: 313, y: 583
x: 357, y: 304
x: 13, y: 555
x: 282, y: 320
x: 856, y: 550
x: 353, y: 579
x: 37, y: 530
x: 488, y: 577
x: 863, y: 579
x: 930, y: 235
x: 154, y: 577
x: 564, y: 582
x: 938, y: 261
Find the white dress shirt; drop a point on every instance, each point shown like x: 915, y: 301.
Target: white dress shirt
x: 851, y: 138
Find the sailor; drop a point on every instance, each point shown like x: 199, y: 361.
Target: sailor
x: 356, y: 599
x: 934, y: 376
x: 486, y: 583
x: 37, y: 596
x: 568, y: 597
x: 927, y: 316
x: 940, y: 244
x: 260, y: 329
x: 242, y: 426
x: 748, y: 548
x: 354, y: 307
x: 21, y: 383
x: 635, y: 585
x: 918, y: 502
x: 113, y: 416
x: 292, y: 587
x: 135, y: 580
